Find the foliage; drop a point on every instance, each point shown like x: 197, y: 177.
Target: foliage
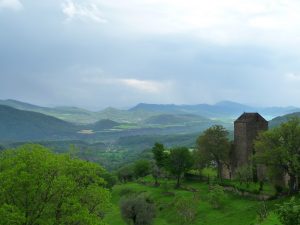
x: 11, y: 215
x: 179, y: 161
x: 138, y: 210
x: 279, y: 150
x: 141, y: 168
x: 159, y: 155
x: 216, y: 196
x: 200, y: 160
x: 126, y: 173
x: 186, y: 209
x: 214, y: 145
x: 289, y: 212
x: 126, y: 191
x: 244, y: 174
x: 110, y: 179
x: 262, y: 212
x: 39, y: 187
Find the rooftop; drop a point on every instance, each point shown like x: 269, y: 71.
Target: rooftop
x: 250, y: 117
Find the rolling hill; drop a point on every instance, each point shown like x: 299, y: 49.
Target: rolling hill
x: 225, y: 111
x: 221, y: 110
x: 18, y: 125
x: 105, y: 124
x: 177, y: 119
x: 281, y: 119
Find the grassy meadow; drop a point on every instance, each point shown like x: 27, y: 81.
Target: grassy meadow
x: 236, y: 210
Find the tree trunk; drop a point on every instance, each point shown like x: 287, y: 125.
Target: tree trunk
x: 292, y: 184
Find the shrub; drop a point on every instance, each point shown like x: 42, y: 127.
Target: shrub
x: 186, y: 209
x: 217, y: 196
x: 141, y: 168
x: 289, y: 212
x: 137, y: 210
x: 126, y: 191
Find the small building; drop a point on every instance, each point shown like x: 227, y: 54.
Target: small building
x: 246, y: 130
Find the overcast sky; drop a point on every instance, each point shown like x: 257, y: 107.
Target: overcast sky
x: 99, y: 53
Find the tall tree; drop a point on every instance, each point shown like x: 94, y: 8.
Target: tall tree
x: 40, y: 187
x: 179, y: 161
x: 159, y: 155
x: 141, y: 168
x: 215, y: 145
x: 279, y: 150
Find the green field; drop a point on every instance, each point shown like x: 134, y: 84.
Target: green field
x: 236, y: 210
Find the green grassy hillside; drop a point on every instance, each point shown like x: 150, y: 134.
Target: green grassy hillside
x: 236, y: 211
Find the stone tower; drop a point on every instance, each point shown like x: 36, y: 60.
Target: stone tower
x: 246, y: 129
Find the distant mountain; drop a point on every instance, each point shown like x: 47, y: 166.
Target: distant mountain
x: 171, y: 119
x: 225, y: 111
x: 282, y: 119
x: 103, y: 125
x: 70, y: 114
x: 18, y: 125
x: 221, y: 110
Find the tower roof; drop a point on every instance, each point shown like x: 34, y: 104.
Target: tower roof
x: 250, y: 117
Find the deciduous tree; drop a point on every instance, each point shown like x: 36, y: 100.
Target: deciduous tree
x: 179, y: 161
x: 40, y: 187
x: 215, y: 146
x: 279, y: 150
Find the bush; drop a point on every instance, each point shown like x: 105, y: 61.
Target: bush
x: 126, y: 173
x: 137, y: 210
x: 110, y: 179
x: 217, y: 197
x: 126, y: 191
x: 289, y: 212
x: 186, y: 209
x: 141, y: 168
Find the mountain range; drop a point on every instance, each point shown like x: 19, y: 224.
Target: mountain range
x: 225, y: 110
x: 21, y: 121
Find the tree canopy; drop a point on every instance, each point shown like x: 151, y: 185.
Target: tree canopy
x: 179, y: 161
x: 279, y: 150
x: 40, y: 187
x: 214, y: 145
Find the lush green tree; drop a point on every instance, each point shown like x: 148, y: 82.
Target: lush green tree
x: 110, y: 179
x: 126, y: 173
x: 279, y: 150
x: 141, y: 168
x: 40, y: 187
x: 289, y: 212
x: 215, y: 146
x: 137, y: 210
x: 179, y: 161
x: 159, y: 155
